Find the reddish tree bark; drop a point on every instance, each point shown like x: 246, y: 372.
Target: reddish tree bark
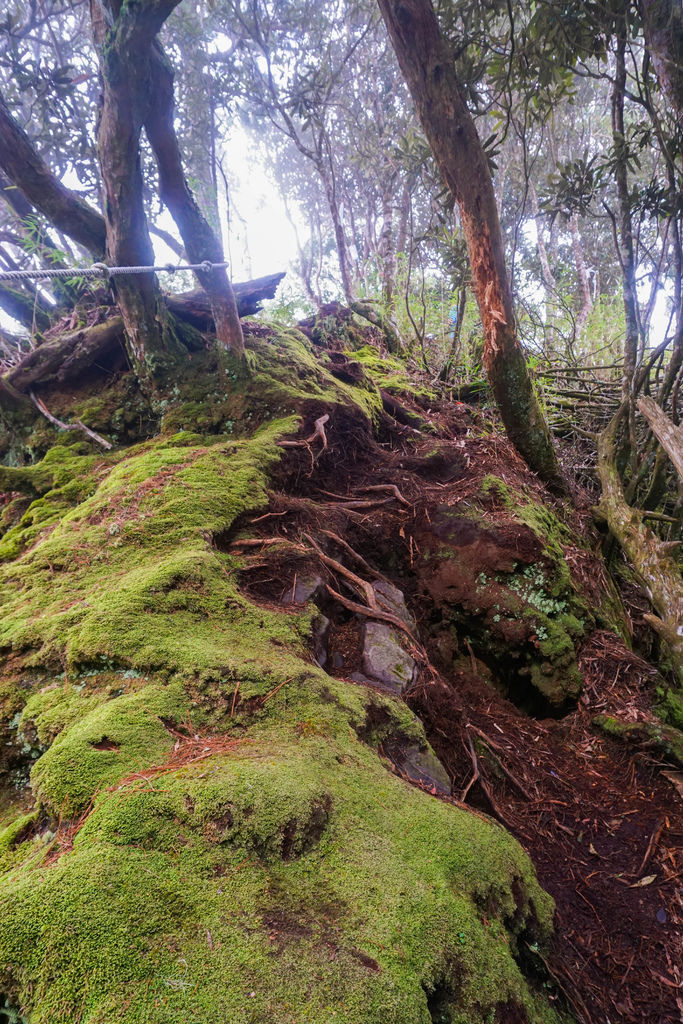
x: 428, y: 68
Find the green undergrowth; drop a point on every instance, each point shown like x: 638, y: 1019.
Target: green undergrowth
x: 389, y: 373
x: 210, y: 832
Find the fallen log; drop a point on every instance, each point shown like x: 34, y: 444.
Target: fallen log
x: 66, y: 356
x: 667, y: 433
x: 195, y: 309
x: 63, y: 357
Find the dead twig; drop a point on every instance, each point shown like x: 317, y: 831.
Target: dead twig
x: 651, y: 846
x: 495, y: 750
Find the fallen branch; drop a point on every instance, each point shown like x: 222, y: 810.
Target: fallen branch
x: 67, y: 355
x: 667, y: 433
x: 40, y: 405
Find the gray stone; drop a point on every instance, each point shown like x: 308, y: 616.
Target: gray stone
x: 384, y: 660
x: 421, y: 765
x: 305, y: 589
x: 392, y: 600
x: 320, y: 634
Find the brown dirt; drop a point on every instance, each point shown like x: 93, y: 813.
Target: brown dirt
x: 601, y: 823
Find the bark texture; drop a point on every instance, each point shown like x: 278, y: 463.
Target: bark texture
x: 646, y: 552
x: 663, y: 28
x: 428, y: 68
x: 201, y: 243
x: 34, y: 179
x: 124, y: 35
x: 667, y: 433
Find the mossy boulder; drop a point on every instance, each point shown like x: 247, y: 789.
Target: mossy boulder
x: 211, y: 830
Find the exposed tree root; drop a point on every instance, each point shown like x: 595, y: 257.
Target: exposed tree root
x: 97, y: 438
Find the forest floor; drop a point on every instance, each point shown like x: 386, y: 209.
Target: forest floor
x: 430, y: 497
x: 601, y: 821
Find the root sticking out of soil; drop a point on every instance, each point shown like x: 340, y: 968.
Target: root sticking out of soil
x: 601, y: 823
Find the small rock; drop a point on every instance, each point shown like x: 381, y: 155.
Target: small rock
x: 337, y: 660
x: 320, y: 634
x: 421, y: 765
x: 305, y: 589
x: 384, y: 660
x: 393, y: 601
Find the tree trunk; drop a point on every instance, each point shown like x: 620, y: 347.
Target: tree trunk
x: 124, y: 35
x: 387, y: 248
x: 427, y: 65
x: 648, y: 555
x: 36, y: 182
x: 626, y: 255
x: 582, y: 274
x: 339, y: 233
x: 663, y: 30
x: 667, y: 433
x: 198, y: 237
x: 65, y: 357
x: 548, y: 278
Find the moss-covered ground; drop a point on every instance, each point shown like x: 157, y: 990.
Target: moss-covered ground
x: 276, y: 872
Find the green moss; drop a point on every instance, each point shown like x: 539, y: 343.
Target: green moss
x: 295, y: 868
x: 670, y: 707
x: 291, y: 876
x: 389, y: 373
x: 664, y: 740
x: 124, y: 735
x: 131, y: 574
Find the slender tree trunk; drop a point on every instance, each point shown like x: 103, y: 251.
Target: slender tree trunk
x: 198, y: 237
x: 627, y: 257
x: 329, y: 184
x: 387, y: 249
x: 582, y: 274
x: 454, y: 351
x: 427, y: 65
x: 124, y: 34
x: 548, y: 278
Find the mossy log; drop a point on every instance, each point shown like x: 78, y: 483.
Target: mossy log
x: 68, y: 355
